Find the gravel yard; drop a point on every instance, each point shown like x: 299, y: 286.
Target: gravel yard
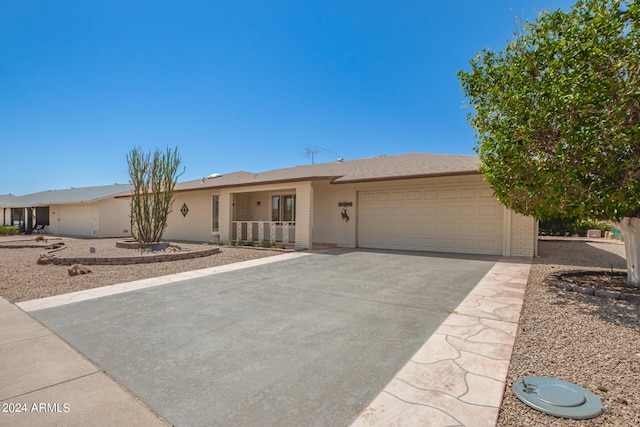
x: 591, y: 341
x: 22, y: 279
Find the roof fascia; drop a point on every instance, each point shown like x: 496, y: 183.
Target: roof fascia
x: 255, y: 184
x: 403, y: 177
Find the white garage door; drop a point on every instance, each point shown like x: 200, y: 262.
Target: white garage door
x: 464, y: 219
x: 76, y: 220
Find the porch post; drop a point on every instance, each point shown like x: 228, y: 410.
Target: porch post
x: 304, y: 216
x: 261, y: 231
x: 225, y: 208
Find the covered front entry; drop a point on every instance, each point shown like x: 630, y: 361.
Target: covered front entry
x: 264, y: 217
x: 274, y: 214
x: 464, y: 219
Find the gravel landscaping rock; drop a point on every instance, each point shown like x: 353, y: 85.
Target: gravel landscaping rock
x: 23, y: 279
x: 589, y: 340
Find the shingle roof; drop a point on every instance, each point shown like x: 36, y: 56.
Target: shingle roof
x: 71, y: 195
x: 6, y: 199
x: 401, y: 166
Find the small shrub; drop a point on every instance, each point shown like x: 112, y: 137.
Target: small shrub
x: 265, y: 244
x: 571, y: 227
x: 39, y: 238
x: 9, y: 230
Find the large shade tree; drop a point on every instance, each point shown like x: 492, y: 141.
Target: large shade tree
x: 557, y: 115
x: 153, y: 179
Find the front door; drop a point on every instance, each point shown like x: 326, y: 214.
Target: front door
x: 242, y: 207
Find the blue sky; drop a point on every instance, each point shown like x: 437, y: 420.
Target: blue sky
x: 235, y: 85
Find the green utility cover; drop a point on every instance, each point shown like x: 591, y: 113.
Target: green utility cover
x: 558, y: 397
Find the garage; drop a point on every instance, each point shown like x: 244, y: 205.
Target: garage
x: 76, y: 220
x: 456, y: 218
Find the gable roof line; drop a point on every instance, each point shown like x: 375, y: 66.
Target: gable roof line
x: 66, y: 196
x: 382, y: 168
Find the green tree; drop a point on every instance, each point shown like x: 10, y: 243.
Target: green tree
x: 557, y: 117
x: 153, y: 180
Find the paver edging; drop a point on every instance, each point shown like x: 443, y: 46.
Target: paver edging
x: 145, y: 259
x: 557, y: 280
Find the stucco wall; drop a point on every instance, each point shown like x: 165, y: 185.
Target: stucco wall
x: 196, y: 224
x: 329, y: 226
x: 113, y: 218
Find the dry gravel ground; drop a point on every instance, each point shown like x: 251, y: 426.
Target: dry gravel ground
x: 22, y: 279
x: 591, y: 341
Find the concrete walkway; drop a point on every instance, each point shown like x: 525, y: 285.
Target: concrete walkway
x: 456, y: 378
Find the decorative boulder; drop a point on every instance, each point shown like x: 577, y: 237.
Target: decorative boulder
x: 45, y: 259
x: 77, y: 269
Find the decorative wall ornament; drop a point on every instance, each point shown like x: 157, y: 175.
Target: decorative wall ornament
x: 345, y: 215
x: 184, y: 209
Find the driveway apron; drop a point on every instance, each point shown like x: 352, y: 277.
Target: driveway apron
x: 307, y: 341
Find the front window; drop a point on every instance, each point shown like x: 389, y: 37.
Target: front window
x: 283, y: 208
x: 216, y: 214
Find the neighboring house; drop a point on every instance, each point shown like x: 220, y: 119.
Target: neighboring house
x: 89, y: 211
x: 413, y: 201
x: 8, y: 216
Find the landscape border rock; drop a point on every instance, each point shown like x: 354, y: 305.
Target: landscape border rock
x: 78, y: 269
x: 558, y: 280
x: 134, y: 244
x: 51, y: 246
x: 140, y: 259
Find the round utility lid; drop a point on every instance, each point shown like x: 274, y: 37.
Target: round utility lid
x: 558, y: 397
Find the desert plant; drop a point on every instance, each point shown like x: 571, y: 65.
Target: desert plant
x: 153, y: 180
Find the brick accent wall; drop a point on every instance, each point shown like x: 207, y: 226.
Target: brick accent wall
x: 225, y: 209
x: 304, y: 216
x: 524, y: 235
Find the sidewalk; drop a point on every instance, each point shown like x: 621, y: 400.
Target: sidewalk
x: 45, y: 382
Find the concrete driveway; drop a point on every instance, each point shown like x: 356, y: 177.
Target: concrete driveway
x: 305, y: 341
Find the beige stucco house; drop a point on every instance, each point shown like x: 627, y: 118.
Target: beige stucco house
x: 87, y: 211
x: 412, y: 201
x: 425, y: 202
